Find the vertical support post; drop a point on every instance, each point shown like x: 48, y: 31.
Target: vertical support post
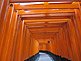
x: 9, y: 36
x: 19, y: 42
x: 73, y: 39
x: 5, y: 30
x: 3, y: 13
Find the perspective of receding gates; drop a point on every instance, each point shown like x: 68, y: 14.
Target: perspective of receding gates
x: 43, y: 30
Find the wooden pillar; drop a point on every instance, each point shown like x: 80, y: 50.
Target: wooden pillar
x: 7, y: 51
x: 59, y: 43
x: 26, y: 43
x: 55, y: 44
x: 3, y: 13
x: 19, y: 42
x: 15, y: 40
x: 54, y: 47
x: 68, y: 43
x: 77, y: 23
x: 34, y: 47
x: 7, y: 23
x: 3, y: 9
x: 11, y: 40
x: 73, y: 39
x: 1, y: 4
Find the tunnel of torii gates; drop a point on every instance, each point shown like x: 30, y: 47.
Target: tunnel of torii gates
x: 26, y: 29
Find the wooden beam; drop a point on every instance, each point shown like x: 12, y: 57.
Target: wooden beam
x: 43, y: 15
x: 45, y: 25
x: 49, y: 6
x: 48, y: 17
x: 44, y: 11
x: 46, y: 20
x: 33, y: 30
x: 59, y: 1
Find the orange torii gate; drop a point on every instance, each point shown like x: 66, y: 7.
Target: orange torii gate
x: 16, y: 24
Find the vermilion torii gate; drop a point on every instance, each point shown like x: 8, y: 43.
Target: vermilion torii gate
x: 17, y: 25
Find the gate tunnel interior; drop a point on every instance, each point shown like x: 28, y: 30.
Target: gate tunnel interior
x: 28, y: 27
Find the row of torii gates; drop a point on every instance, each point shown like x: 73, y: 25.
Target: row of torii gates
x: 26, y: 29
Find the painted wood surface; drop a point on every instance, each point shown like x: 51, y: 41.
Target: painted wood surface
x: 23, y: 34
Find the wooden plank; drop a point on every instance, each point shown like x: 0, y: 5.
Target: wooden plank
x: 49, y: 6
